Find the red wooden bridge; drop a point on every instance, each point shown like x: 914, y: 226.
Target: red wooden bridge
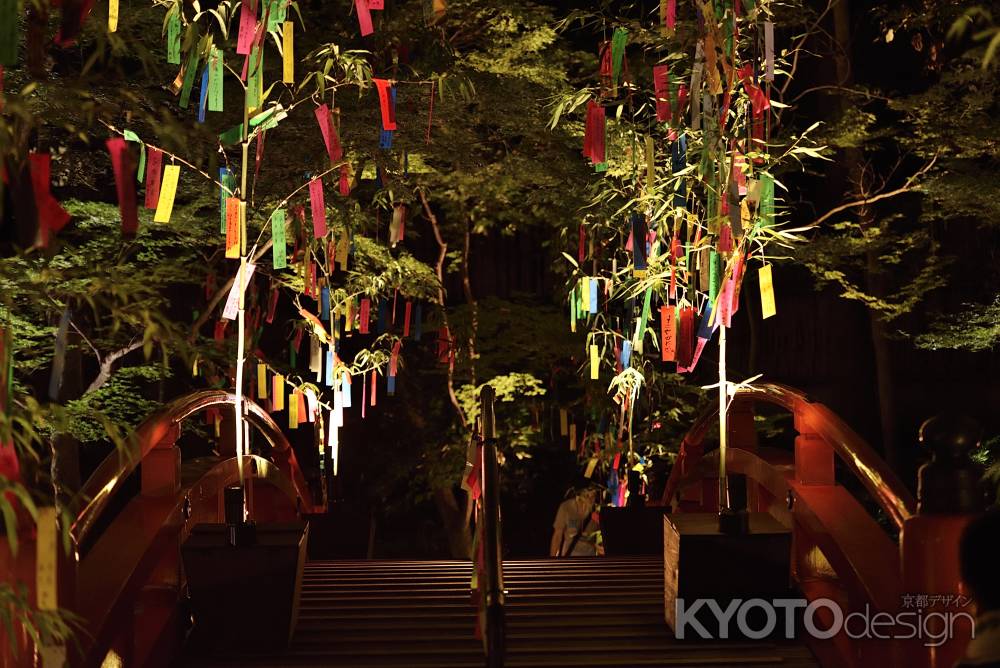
x: 126, y: 582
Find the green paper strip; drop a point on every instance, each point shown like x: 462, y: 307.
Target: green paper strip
x: 265, y: 119
x: 254, y: 79
x: 216, y: 69
x: 189, y: 74
x: 714, y: 271
x: 618, y: 41
x: 131, y: 136
x: 173, y: 39
x: 766, y: 200
x: 646, y: 305
x: 228, y: 180
x: 276, y: 12
x: 232, y: 136
x: 278, y: 248
x: 9, y: 37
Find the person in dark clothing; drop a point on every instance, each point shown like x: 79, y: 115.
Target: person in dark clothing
x: 979, y: 557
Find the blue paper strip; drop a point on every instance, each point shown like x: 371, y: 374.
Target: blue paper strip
x: 704, y: 332
x: 324, y: 296
x: 203, y: 100
x: 383, y: 315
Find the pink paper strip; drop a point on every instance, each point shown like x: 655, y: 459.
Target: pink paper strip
x: 248, y: 29
x: 364, y: 17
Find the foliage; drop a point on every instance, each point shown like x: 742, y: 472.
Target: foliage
x: 923, y: 143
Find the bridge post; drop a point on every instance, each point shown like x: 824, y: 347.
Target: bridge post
x: 161, y: 467
x: 157, y: 600
x: 948, y: 498
x: 743, y: 436
x: 813, y: 455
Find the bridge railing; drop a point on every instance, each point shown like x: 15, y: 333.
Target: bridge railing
x: 840, y: 551
x: 490, y: 540
x: 123, y: 578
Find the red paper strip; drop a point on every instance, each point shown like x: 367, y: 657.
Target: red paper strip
x: 661, y: 84
x: 364, y: 17
x: 74, y: 13
x: 376, y: 4
x: 593, y: 136
x: 374, y: 391
x: 582, y: 250
x: 394, y: 358
x: 272, y: 305
x: 671, y: 14
x: 685, y: 338
x: 345, y: 180
x: 682, y: 97
x: 121, y: 162
x: 444, y: 345
x: 302, y: 408
x: 406, y: 318
x: 330, y: 138
x: 318, y: 207
x: 385, y: 102
x: 51, y: 216
x: 366, y: 307
x: 154, y: 167
x: 248, y: 30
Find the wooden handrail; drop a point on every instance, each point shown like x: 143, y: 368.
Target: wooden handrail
x: 839, y: 550
x: 107, y: 479
x: 873, y: 473
x: 495, y: 629
x: 138, y: 555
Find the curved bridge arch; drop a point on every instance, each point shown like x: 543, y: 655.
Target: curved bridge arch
x: 839, y: 550
x: 160, y: 431
x: 134, y: 564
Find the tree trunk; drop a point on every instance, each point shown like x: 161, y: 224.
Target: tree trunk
x: 456, y: 529
x: 874, y: 278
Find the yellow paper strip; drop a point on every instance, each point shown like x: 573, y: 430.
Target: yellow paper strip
x: 293, y: 410
x: 563, y: 422
x: 278, y: 394
x: 288, y: 54
x: 595, y: 363
x: 767, y: 306
x: 112, y: 15
x: 262, y: 381
x: 168, y: 189
x: 591, y: 465
x: 585, y: 296
x: 45, y: 559
x: 572, y: 437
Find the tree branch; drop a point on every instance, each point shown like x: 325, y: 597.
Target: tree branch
x: 865, y: 201
x: 439, y: 270
x: 107, y: 365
